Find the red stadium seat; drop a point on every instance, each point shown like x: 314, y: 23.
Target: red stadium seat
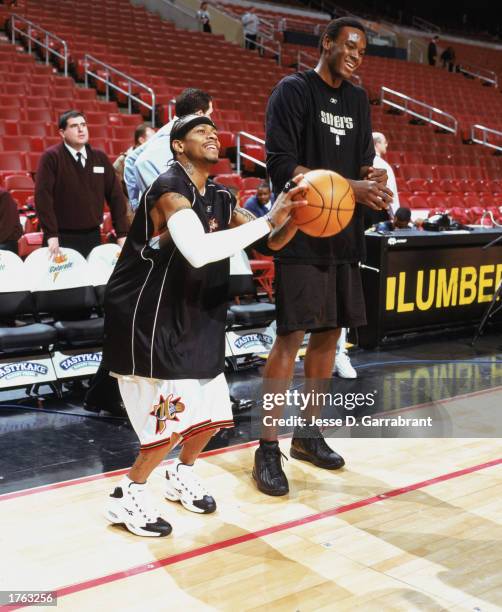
x: 229, y: 179
x: 29, y: 243
x: 21, y: 196
x: 122, y: 132
x: 227, y: 140
x: 32, y: 160
x: 50, y: 141
x: 417, y: 184
x: 11, y: 161
x: 21, y: 143
x: 34, y: 129
x: 459, y: 214
x: 436, y: 203
x: 418, y: 202
x: 42, y: 115
x: 17, y: 181
x: 251, y: 182
x: 97, y: 118
x: 474, y: 214
x: 454, y: 201
x: 444, y: 172
x: 412, y: 171
x: 471, y: 201
x: 116, y: 147
x: 97, y: 131
x: 222, y: 166
x: 15, y: 114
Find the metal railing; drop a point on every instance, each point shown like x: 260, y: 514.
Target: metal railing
x: 423, y: 24
x: 419, y: 48
x: 312, y: 61
x: 273, y: 46
x: 404, y: 105
x: 486, y: 131
x: 109, y: 71
x: 298, y: 25
x: 266, y: 29
x: 30, y: 33
x: 479, y: 73
x: 240, y: 153
x: 171, y: 109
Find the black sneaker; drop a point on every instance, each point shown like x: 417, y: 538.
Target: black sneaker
x: 308, y: 444
x: 267, y: 471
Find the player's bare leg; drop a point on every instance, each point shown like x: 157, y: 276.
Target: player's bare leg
x: 308, y: 443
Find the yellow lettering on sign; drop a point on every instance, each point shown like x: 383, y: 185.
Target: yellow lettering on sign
x: 468, y: 289
x: 498, y: 276
x: 427, y: 303
x: 390, y: 296
x: 403, y: 306
x: 485, y: 283
x: 447, y: 290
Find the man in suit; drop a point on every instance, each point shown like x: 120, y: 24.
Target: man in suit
x: 73, y: 181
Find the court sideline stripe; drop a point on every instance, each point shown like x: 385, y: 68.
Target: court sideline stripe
x: 255, y: 535
x: 220, y: 451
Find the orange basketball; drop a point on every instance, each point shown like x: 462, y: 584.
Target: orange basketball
x: 330, y: 204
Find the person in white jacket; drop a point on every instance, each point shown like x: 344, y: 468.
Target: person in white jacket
x: 250, y: 25
x: 381, y: 145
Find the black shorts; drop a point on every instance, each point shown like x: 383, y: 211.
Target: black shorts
x: 317, y: 298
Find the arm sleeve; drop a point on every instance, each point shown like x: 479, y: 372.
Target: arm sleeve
x: 285, y: 119
x: 152, y: 161
x: 45, y: 180
x: 367, y: 144
x: 115, y: 199
x: 200, y: 248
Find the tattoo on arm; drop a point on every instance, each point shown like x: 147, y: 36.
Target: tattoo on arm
x: 280, y: 236
x: 175, y: 199
x: 242, y: 215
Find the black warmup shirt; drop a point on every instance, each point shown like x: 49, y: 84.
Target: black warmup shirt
x: 314, y: 125
x: 163, y: 318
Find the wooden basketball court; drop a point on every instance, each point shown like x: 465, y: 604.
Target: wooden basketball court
x: 409, y: 524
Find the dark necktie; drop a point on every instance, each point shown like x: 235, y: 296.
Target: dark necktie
x: 79, y: 159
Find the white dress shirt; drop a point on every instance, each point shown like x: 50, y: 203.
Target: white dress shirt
x: 378, y: 162
x: 74, y: 152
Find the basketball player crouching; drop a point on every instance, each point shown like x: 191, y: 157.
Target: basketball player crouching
x: 165, y: 312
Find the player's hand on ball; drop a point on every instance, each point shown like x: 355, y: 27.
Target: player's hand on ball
x: 288, y: 201
x: 372, y: 194
x: 377, y: 174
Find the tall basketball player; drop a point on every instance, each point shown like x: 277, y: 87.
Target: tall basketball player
x: 318, y: 119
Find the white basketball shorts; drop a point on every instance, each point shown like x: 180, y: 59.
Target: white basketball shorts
x: 159, y: 408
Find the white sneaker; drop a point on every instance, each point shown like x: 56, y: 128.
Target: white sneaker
x: 130, y: 504
x: 343, y: 367
x: 183, y: 485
